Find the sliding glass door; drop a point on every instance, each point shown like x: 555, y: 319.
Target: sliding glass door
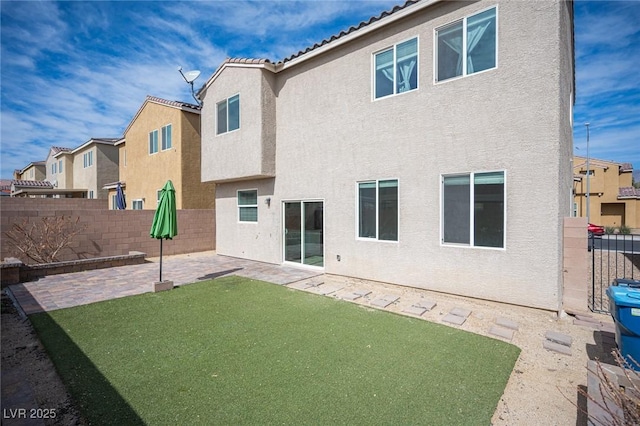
x: 303, y: 232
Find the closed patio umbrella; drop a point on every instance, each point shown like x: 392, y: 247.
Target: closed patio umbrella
x: 121, y: 203
x: 165, y: 223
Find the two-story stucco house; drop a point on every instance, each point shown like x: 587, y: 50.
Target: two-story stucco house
x: 162, y: 142
x: 403, y: 150
x: 613, y: 201
x: 33, y: 171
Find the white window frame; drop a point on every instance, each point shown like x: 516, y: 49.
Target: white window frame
x: 163, y: 133
x: 91, y: 193
x: 54, y: 168
x: 60, y: 166
x: 227, y: 114
x: 88, y: 159
x: 247, y: 205
x: 357, y: 223
x: 114, y: 203
x: 464, y: 46
x: 373, y: 69
x: 471, y: 211
x: 157, y: 142
x: 137, y: 201
x: 158, y: 195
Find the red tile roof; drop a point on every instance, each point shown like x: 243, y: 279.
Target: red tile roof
x: 629, y: 191
x: 32, y: 183
x: 171, y: 103
x: 351, y: 30
x: 57, y: 149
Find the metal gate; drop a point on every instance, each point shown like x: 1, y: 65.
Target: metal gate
x: 612, y: 256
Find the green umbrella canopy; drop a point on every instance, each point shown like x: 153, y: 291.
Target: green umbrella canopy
x: 165, y: 223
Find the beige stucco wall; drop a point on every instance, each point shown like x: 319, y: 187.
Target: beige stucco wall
x: 65, y: 178
x: 249, y: 151
x: 330, y: 135
x: 107, y: 168
x: 39, y: 173
x: 195, y: 193
x: 85, y: 177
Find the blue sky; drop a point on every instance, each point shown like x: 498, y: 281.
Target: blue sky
x: 72, y: 70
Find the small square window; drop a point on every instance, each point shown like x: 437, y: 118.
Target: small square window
x: 248, y: 205
x: 396, y: 69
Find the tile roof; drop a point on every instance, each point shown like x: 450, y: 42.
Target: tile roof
x: 351, y: 30
x: 32, y: 183
x: 171, y: 103
x: 626, y: 167
x: 629, y: 191
x: 57, y: 149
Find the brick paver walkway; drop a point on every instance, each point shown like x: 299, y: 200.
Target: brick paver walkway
x: 80, y: 288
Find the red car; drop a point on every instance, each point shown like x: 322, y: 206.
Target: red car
x: 595, y: 229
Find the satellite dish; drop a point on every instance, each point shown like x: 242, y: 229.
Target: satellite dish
x: 191, y: 76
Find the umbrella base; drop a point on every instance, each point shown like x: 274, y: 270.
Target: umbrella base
x: 162, y: 286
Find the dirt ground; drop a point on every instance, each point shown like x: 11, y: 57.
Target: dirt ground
x: 543, y: 387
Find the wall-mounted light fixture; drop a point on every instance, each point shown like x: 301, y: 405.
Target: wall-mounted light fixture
x: 267, y: 201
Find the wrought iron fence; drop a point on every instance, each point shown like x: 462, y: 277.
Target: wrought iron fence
x: 612, y: 256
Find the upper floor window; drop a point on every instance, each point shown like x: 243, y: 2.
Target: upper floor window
x: 248, y: 205
x: 473, y: 209
x: 158, y: 195
x: 378, y: 210
x: 153, y: 142
x: 396, y: 69
x: 54, y: 168
x: 31, y: 173
x: 88, y: 159
x: 228, y: 115
x: 166, y: 137
x: 60, y: 166
x: 467, y: 46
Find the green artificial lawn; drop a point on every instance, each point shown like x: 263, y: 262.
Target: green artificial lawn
x: 240, y: 351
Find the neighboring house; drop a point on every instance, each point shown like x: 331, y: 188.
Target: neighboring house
x: 5, y: 187
x: 74, y: 173
x: 613, y: 201
x: 162, y: 142
x: 95, y: 163
x: 33, y: 171
x: 395, y: 152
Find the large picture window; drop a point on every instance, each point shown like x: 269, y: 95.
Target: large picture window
x: 228, y: 115
x: 378, y: 210
x: 396, y: 69
x: 467, y: 46
x: 473, y: 209
x: 248, y: 205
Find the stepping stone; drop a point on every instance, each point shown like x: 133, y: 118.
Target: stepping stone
x: 507, y: 323
x: 355, y: 295
x: 459, y: 312
x: 414, y: 310
x: 590, y: 324
x: 505, y: 333
x: 312, y: 284
x: 555, y: 347
x: 559, y: 338
x: 327, y: 289
x: 384, y: 301
x: 425, y: 304
x: 454, y: 319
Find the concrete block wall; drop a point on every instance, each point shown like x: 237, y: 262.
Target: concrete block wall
x: 575, y: 265
x: 109, y: 232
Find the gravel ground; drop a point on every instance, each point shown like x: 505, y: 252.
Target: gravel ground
x: 544, y: 387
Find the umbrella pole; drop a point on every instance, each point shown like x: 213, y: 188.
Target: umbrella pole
x: 160, y: 259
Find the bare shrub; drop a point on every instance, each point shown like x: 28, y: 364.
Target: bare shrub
x: 43, y: 240
x: 620, y: 393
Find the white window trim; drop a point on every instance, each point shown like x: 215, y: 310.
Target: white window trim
x: 357, y: 224
x: 158, y: 194
x: 282, y: 253
x: 87, y: 159
x: 471, y: 208
x: 373, y: 69
x: 464, y: 44
x: 133, y: 202
x: 238, y: 206
x: 157, y: 142
x: 239, y: 117
x: 160, y: 141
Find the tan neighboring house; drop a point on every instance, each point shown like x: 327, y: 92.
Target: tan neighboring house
x: 33, y: 171
x: 613, y: 201
x: 397, y: 153
x: 162, y: 142
x: 75, y: 173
